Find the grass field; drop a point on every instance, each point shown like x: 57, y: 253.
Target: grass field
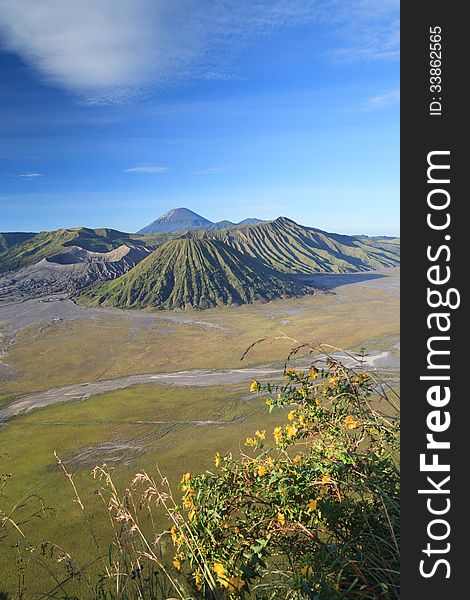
x: 123, y: 427
x: 115, y: 428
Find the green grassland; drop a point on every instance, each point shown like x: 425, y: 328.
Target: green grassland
x: 118, y: 428
x: 5, y: 398
x: 80, y: 432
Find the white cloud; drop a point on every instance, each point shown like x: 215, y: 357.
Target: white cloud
x: 147, y: 169
x: 376, y: 43
x: 381, y: 100
x: 30, y: 175
x: 210, y: 171
x: 112, y: 50
x: 369, y: 30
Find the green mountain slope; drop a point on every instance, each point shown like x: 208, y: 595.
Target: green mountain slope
x: 187, y: 273
x: 49, y: 243
x: 291, y: 248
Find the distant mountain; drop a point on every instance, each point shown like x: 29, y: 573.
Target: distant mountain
x: 250, y: 221
x: 7, y: 240
x: 65, y: 260
x: 289, y: 247
x: 221, y: 264
x: 49, y: 243
x: 70, y: 271
x: 220, y: 225
x: 183, y: 219
x: 178, y: 219
x: 193, y: 273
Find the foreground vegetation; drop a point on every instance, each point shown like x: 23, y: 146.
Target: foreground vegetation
x: 129, y: 429
x: 307, y: 509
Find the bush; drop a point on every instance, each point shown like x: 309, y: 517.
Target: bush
x: 308, y: 510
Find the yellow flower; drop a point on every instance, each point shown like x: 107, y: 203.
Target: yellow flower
x: 299, y: 373
x: 333, y: 380
x: 251, y: 442
x: 373, y: 431
x: 350, y: 422
x: 291, y: 430
x: 281, y: 519
x: 326, y: 478
x: 261, y: 434
x: 219, y: 569
x: 192, y: 514
x: 312, y: 505
x: 254, y: 386
x: 313, y: 374
x: 177, y: 564
x: 270, y: 462
x: 261, y: 470
x: 233, y: 584
x: 297, y: 458
x: 318, y: 401
x: 279, y: 396
x: 187, y: 502
x: 301, y: 419
x: 289, y: 372
x: 198, y: 579
x: 186, y: 482
x: 176, y: 538
x: 291, y: 415
x: 277, y: 433
x: 218, y: 459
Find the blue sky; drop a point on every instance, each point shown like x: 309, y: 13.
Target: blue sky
x: 114, y: 112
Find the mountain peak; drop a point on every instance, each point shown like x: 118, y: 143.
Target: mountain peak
x: 180, y: 212
x: 177, y: 219
x: 184, y: 219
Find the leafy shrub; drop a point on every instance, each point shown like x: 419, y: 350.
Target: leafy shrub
x: 308, y: 510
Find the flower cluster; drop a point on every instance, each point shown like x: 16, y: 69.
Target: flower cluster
x: 310, y: 500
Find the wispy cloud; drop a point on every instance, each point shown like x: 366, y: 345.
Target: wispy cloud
x: 113, y: 50
x: 210, y: 171
x: 31, y: 175
x: 147, y: 169
x: 369, y: 30
x: 381, y: 100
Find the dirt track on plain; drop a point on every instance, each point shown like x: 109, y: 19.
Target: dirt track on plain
x: 196, y: 377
